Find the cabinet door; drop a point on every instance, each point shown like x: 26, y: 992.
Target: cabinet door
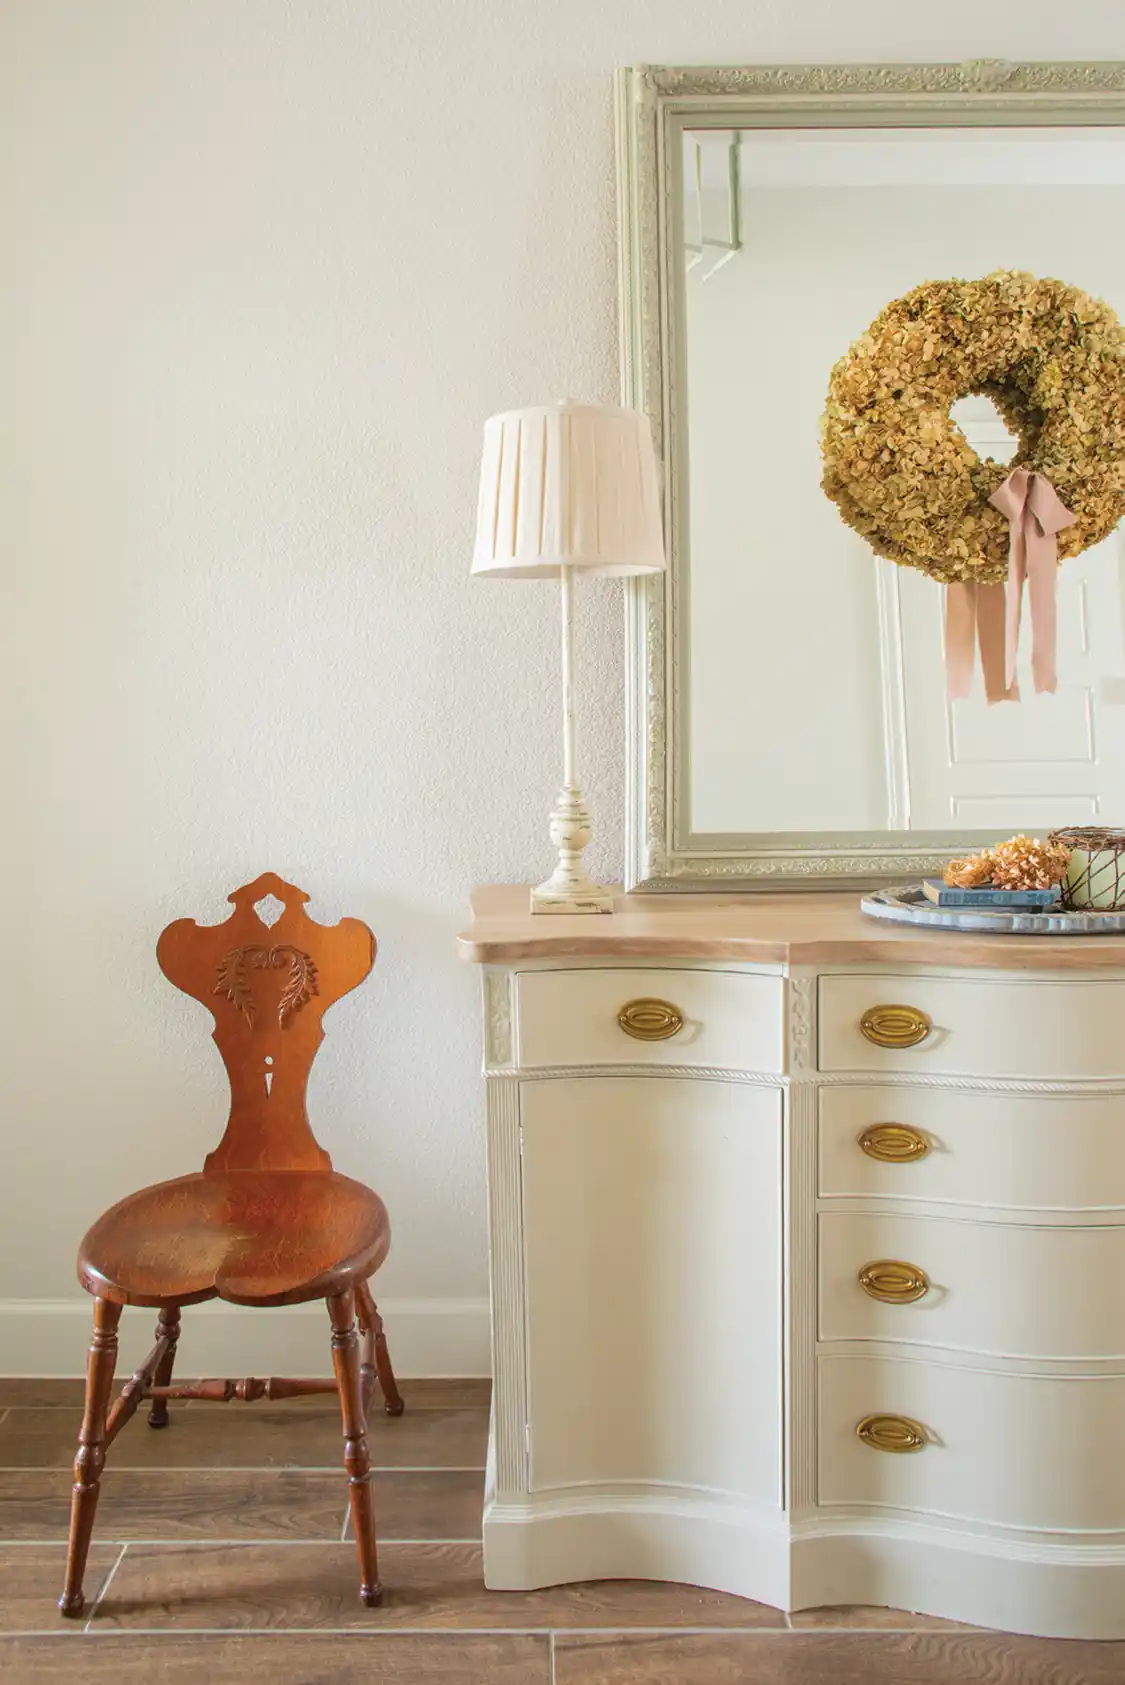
x: 652, y: 1240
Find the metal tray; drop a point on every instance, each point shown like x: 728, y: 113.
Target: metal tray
x: 909, y: 904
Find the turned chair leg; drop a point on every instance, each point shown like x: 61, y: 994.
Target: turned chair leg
x: 376, y: 1354
x: 100, y: 1365
x: 357, y: 1460
x: 167, y: 1328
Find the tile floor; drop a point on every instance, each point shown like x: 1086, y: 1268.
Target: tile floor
x: 222, y: 1551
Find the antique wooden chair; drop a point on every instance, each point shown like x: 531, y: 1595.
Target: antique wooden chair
x: 266, y: 1222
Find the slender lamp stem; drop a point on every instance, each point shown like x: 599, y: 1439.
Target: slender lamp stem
x: 569, y: 889
x: 567, y: 583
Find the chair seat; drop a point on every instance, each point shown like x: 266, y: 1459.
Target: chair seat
x: 253, y: 1237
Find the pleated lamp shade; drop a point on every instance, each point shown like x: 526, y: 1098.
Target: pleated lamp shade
x: 568, y: 484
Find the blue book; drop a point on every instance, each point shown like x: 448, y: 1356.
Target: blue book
x: 945, y: 895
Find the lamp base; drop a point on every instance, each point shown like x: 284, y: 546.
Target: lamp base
x: 592, y: 899
x: 568, y: 889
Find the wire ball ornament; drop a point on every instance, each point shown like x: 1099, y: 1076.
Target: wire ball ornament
x: 1095, y: 873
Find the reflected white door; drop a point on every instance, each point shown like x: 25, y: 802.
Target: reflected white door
x: 1046, y: 761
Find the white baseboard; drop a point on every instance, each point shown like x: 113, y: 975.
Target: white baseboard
x: 48, y: 1337
x: 1049, y: 1585
x: 1058, y: 1588
x: 552, y: 1540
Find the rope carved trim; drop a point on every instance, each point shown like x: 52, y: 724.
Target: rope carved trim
x: 901, y: 472
x: 300, y: 986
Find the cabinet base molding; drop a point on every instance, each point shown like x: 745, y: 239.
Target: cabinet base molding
x: 559, y: 1538
x: 1055, y: 1590
x: 1044, y: 1590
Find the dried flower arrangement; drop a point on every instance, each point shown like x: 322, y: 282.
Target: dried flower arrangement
x: 1019, y: 863
x: 901, y: 472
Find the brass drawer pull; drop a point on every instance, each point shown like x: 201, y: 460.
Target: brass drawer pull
x: 892, y: 1433
x: 650, y: 1020
x: 895, y: 1026
x: 894, y: 1282
x: 893, y: 1143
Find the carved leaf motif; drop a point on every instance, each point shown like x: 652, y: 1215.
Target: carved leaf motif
x: 800, y: 1020
x: 231, y: 980
x: 300, y: 985
x: 498, y: 997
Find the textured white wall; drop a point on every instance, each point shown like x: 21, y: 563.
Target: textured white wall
x: 267, y: 265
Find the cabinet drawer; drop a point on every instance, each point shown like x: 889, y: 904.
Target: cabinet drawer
x: 728, y: 1019
x: 1001, y: 1289
x: 1045, y: 1152
x: 1020, y: 1027
x: 1018, y: 1450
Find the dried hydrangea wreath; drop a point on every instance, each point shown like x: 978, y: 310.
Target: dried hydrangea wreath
x: 901, y: 472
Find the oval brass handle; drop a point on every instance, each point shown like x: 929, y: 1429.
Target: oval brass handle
x: 892, y: 1433
x: 895, y: 1026
x: 894, y: 1282
x: 893, y: 1143
x: 650, y: 1020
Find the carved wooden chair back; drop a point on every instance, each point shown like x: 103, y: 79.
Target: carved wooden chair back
x: 268, y: 986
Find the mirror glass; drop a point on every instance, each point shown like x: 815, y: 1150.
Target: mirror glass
x: 814, y: 691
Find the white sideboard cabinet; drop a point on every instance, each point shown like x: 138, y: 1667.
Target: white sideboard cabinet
x: 808, y: 1258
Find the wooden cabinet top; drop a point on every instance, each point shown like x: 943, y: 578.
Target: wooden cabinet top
x: 813, y: 929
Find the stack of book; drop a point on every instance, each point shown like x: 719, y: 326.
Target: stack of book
x: 946, y: 895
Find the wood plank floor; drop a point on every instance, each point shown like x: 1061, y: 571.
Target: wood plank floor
x: 222, y: 1549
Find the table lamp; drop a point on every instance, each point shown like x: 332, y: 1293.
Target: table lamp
x: 564, y: 489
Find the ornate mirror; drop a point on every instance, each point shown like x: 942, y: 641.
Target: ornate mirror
x: 790, y: 721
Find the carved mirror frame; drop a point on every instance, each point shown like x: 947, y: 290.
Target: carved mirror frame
x: 655, y: 104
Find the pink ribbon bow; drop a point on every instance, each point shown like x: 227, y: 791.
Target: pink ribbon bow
x: 990, y: 614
